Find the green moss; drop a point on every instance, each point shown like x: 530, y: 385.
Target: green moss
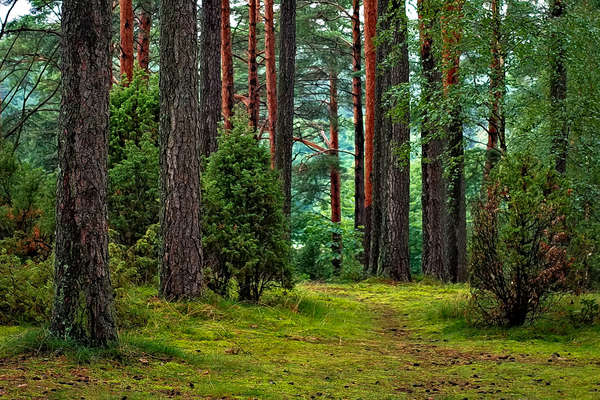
x: 362, y: 341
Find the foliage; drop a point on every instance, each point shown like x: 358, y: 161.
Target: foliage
x: 25, y: 289
x: 26, y: 206
x: 520, y: 240
x: 244, y: 227
x: 133, y: 158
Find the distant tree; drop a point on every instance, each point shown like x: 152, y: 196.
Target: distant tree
x: 253, y: 91
x: 126, y: 37
x: 181, y: 273
x: 433, y: 193
x: 83, y: 304
x: 456, y: 224
x: 271, y: 75
x: 210, y: 84
x: 227, y: 89
x: 558, y: 85
x: 143, y: 39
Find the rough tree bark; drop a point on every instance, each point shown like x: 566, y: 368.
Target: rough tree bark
x: 271, y: 75
x: 394, y: 256
x: 210, y: 99
x: 433, y: 197
x: 253, y: 102
x: 558, y: 87
x: 370, y: 10
x: 227, y: 89
x: 145, y: 25
x: 83, y: 302
x: 181, y: 273
x: 456, y: 224
x: 335, y: 180
x: 496, y: 121
x: 359, y: 133
x: 126, y: 30
x: 284, y: 138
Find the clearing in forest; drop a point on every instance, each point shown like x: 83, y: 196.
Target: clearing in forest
x: 331, y: 341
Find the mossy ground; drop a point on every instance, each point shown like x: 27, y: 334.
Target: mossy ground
x: 333, y: 341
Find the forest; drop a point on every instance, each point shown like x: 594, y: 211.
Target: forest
x: 281, y: 199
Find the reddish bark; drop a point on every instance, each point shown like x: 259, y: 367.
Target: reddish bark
x: 359, y: 133
x: 253, y: 100
x: 126, y: 30
x: 143, y: 53
x: 227, y: 91
x: 336, y: 207
x: 271, y: 75
x: 370, y: 10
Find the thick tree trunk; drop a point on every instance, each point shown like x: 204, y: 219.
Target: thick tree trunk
x: 253, y: 101
x: 335, y: 180
x: 145, y: 18
x: 126, y: 19
x: 370, y: 10
x: 496, y: 126
x: 433, y: 193
x: 394, y: 257
x: 227, y: 89
x: 271, y: 75
x: 284, y: 138
x: 359, y: 133
x: 181, y: 256
x: 210, y: 100
x: 558, y: 87
x: 83, y: 302
x: 456, y: 226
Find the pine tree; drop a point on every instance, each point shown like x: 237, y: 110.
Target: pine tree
x: 126, y: 29
x: 181, y: 273
x: 83, y: 303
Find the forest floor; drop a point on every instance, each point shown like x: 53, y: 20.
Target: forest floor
x: 322, y: 341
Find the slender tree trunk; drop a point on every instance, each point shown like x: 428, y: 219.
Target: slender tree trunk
x: 558, y: 86
x: 433, y: 197
x: 456, y: 227
x: 145, y: 17
x: 253, y: 101
x: 336, y: 200
x: 126, y: 17
x: 394, y: 256
x: 370, y: 10
x: 181, y: 256
x: 284, y: 138
x: 496, y: 128
x: 271, y: 75
x: 83, y: 302
x: 359, y: 133
x: 227, y: 90
x: 210, y: 100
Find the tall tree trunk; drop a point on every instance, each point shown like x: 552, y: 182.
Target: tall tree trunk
x: 284, y: 138
x: 253, y: 103
x: 558, y: 87
x: 210, y: 100
x: 145, y: 18
x: 359, y: 133
x: 181, y: 273
x: 83, y: 302
x: 456, y: 226
x: 433, y: 197
x: 271, y: 75
x: 496, y: 122
x: 394, y: 256
x: 227, y: 90
x: 370, y: 10
x: 126, y: 18
x: 334, y: 145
